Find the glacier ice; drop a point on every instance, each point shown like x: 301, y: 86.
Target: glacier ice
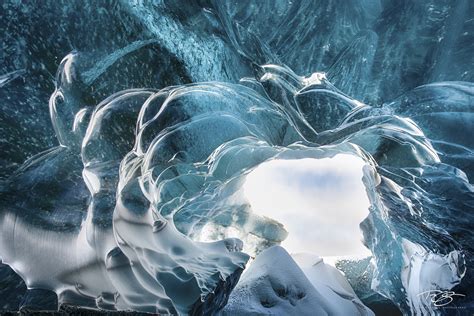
x: 127, y: 192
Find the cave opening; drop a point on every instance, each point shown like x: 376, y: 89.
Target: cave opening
x: 321, y: 202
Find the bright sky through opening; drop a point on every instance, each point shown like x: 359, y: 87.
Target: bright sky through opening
x: 321, y: 202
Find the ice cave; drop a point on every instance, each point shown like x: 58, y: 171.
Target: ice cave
x: 248, y: 157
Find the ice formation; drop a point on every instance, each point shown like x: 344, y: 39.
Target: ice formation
x: 159, y: 111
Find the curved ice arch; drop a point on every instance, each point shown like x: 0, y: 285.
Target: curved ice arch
x: 144, y: 168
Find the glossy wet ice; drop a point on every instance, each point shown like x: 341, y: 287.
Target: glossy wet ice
x: 157, y: 117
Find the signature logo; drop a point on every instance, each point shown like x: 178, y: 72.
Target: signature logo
x: 440, y: 298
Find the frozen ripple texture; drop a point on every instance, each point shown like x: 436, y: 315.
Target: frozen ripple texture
x: 158, y: 111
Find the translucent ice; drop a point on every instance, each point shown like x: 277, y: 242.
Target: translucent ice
x: 159, y: 111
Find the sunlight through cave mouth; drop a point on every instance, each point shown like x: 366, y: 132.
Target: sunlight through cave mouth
x: 320, y: 202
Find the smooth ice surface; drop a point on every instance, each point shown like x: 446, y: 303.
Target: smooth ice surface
x: 320, y: 202
x: 115, y: 171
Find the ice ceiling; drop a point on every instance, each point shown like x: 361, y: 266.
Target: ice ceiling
x: 160, y: 110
